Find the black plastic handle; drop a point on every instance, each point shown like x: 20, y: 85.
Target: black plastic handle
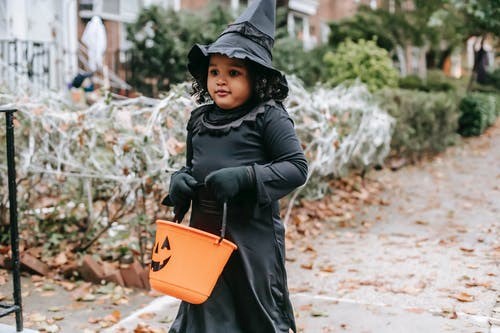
x: 224, y: 222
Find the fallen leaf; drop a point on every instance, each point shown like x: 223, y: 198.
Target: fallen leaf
x: 61, y: 259
x: 307, y: 266
x: 464, y: 297
x: 415, y: 310
x: 306, y: 307
x: 86, y: 298
x: 316, y: 313
x: 474, y: 283
x: 37, y: 317
x: 327, y: 269
x: 49, y: 328
x: 466, y: 249
x: 147, y: 315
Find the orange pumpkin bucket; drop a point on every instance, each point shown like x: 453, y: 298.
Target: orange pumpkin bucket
x: 186, y: 262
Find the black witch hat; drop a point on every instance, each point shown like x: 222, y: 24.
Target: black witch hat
x: 250, y: 37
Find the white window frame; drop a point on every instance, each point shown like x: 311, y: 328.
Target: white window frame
x: 325, y: 32
x: 97, y: 10
x: 307, y: 41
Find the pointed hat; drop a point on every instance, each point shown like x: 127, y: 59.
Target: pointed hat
x: 250, y: 37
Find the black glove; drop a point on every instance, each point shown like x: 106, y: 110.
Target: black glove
x: 228, y: 182
x: 182, y: 186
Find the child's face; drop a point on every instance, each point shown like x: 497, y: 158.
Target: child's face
x: 228, y: 81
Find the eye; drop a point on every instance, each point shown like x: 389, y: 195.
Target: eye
x: 213, y: 72
x: 234, y: 72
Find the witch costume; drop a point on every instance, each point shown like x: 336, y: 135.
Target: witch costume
x: 251, y: 294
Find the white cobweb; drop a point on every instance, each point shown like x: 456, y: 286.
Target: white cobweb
x: 119, y: 150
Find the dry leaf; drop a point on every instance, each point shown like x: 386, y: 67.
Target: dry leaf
x: 147, y: 315
x: 475, y: 283
x: 37, y: 317
x: 327, y: 269
x: 307, y: 266
x: 466, y: 249
x: 464, y: 297
x: 61, y: 259
x: 143, y: 328
x: 415, y: 310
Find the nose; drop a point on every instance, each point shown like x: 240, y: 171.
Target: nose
x: 221, y: 80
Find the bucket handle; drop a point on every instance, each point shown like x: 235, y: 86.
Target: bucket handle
x: 224, y: 222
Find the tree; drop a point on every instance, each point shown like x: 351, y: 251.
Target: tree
x: 479, y: 18
x: 161, y: 40
x: 400, y: 28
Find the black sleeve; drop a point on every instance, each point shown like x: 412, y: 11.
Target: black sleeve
x: 287, y: 168
x: 192, y: 123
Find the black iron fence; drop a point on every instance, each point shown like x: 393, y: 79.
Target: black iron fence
x: 25, y: 59
x: 6, y: 309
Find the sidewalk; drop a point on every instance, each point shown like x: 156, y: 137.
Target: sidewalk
x: 427, y: 260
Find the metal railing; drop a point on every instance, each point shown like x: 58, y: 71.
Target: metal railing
x: 31, y: 59
x: 17, y: 308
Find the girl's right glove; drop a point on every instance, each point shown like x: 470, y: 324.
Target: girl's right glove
x: 182, y: 186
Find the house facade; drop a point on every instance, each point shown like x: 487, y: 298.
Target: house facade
x: 41, y: 47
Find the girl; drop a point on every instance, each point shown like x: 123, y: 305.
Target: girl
x: 243, y: 148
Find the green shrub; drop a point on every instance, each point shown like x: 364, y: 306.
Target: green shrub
x: 478, y: 111
x: 494, y: 78
x: 436, y: 81
x: 412, y: 82
x: 425, y: 122
x: 290, y: 57
x: 364, y: 60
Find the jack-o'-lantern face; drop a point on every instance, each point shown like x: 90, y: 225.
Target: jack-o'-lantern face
x: 161, y: 255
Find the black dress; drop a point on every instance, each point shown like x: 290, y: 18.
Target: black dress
x: 252, y: 294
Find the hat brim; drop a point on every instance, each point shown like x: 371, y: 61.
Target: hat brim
x: 199, y: 55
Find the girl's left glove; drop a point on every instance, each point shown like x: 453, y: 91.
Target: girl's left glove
x: 228, y: 182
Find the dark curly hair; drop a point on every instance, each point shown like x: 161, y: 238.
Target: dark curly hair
x: 266, y: 83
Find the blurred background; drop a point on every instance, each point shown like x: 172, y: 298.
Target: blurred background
x: 102, y: 97
x: 140, y: 47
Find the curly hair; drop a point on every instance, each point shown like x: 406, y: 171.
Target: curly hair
x: 266, y: 83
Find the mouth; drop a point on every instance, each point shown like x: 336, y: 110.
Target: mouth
x: 222, y: 93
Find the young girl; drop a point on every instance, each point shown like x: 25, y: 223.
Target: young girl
x: 244, y: 150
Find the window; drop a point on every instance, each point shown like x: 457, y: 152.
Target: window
x: 86, y: 5
x: 296, y: 25
x: 111, y: 7
x: 299, y: 27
